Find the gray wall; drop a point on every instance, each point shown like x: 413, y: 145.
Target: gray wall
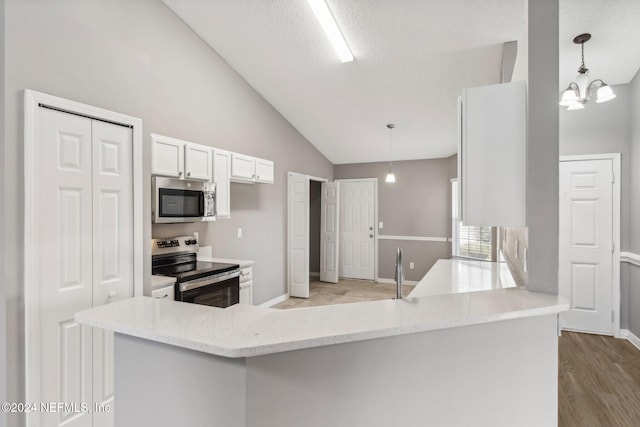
x: 138, y: 58
x: 542, y: 146
x: 417, y: 204
x: 314, y: 226
x: 3, y: 327
x: 634, y: 209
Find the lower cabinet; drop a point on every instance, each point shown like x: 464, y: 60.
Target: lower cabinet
x: 246, y: 286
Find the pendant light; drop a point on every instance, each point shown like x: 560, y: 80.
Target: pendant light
x: 580, y: 91
x: 390, y: 176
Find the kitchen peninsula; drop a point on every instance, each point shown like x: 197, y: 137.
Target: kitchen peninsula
x: 465, y: 358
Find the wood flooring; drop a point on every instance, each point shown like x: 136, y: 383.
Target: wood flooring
x: 599, y: 381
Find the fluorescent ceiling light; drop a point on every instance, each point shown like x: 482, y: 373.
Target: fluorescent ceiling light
x: 331, y: 29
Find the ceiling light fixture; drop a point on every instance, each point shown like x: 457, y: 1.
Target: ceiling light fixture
x: 331, y: 29
x: 390, y: 176
x: 579, y: 92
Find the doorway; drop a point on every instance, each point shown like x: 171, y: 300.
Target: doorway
x: 589, y: 242
x: 358, y: 217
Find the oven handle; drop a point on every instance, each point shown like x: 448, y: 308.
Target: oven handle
x: 198, y: 283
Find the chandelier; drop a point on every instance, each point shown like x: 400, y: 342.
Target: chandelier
x: 582, y: 89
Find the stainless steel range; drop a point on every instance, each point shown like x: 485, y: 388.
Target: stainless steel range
x: 199, y: 282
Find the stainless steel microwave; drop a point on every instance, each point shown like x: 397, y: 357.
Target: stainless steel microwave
x: 182, y: 200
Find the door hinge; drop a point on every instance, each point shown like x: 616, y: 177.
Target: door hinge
x: 612, y: 316
x: 613, y: 247
x: 613, y: 177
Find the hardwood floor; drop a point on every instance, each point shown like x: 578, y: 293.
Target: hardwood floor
x: 599, y: 381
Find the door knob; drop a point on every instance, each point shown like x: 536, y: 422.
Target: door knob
x: 371, y: 235
x: 371, y: 228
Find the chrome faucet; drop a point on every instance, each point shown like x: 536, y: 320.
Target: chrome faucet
x: 399, y: 276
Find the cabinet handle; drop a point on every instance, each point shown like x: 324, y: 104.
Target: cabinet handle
x: 112, y: 294
x: 188, y: 173
x: 180, y: 173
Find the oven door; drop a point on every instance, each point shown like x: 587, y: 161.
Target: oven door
x: 221, y: 290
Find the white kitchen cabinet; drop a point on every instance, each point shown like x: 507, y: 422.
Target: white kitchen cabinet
x: 198, y: 161
x: 264, y: 171
x: 222, y: 179
x: 246, y: 285
x: 167, y: 156
x: 492, y: 155
x: 180, y: 159
x: 243, y: 168
x: 248, y: 169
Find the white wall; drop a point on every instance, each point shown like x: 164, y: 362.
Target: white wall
x: 138, y: 58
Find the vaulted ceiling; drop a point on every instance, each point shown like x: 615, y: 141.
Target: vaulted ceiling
x: 412, y: 58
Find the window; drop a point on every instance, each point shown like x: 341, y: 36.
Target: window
x: 468, y: 241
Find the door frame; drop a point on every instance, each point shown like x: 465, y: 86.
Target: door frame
x: 375, y: 222
x: 615, y: 256
x: 289, y: 207
x: 31, y: 266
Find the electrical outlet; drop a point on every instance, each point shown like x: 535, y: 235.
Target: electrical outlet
x: 239, y: 233
x: 197, y: 236
x: 411, y: 266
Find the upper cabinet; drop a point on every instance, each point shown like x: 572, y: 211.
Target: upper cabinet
x: 492, y: 155
x: 247, y: 169
x: 243, y: 168
x: 222, y: 176
x: 264, y: 171
x: 180, y: 159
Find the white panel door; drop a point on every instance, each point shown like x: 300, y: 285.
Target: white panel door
x: 64, y: 205
x: 112, y: 246
x: 586, y: 244
x: 329, y: 236
x: 357, y: 219
x: 298, y: 227
x: 221, y: 176
x: 198, y: 163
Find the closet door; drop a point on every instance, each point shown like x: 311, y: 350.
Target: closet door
x: 112, y: 190
x: 64, y: 211
x: 84, y: 210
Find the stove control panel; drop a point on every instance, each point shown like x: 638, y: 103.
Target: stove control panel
x: 168, y: 243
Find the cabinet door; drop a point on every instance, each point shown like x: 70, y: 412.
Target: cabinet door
x: 222, y: 176
x: 242, y: 167
x: 167, y: 156
x: 198, y: 162
x: 493, y: 155
x: 246, y: 293
x: 264, y: 171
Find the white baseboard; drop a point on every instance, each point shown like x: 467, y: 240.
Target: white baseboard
x: 393, y: 282
x: 631, y: 337
x: 274, y: 301
x: 314, y: 273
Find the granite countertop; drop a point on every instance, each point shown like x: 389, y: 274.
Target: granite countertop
x: 245, y: 331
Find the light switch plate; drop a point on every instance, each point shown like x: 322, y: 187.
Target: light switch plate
x: 411, y: 265
x: 380, y: 225
x: 239, y: 233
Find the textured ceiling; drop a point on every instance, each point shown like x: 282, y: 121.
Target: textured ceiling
x: 412, y: 57
x: 613, y: 53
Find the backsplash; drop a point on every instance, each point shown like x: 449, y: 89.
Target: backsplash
x: 514, y: 243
